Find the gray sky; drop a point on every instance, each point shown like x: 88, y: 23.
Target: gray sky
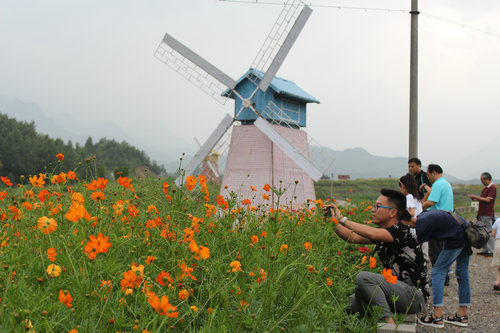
x: 96, y: 58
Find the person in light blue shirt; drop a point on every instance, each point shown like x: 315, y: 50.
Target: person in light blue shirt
x: 441, y: 198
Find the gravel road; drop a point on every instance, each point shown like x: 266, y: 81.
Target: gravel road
x: 484, y: 313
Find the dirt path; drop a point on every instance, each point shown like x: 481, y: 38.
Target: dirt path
x: 484, y: 313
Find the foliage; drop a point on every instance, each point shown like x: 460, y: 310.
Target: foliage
x: 143, y: 254
x: 23, y: 151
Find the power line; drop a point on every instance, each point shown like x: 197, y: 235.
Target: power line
x: 367, y: 9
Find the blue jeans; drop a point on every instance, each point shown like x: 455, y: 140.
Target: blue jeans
x: 441, y: 268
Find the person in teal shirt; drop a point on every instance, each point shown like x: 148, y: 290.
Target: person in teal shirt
x: 441, y: 198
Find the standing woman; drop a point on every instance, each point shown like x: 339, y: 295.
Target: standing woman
x: 409, y: 187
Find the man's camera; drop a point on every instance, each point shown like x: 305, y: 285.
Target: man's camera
x: 328, y: 211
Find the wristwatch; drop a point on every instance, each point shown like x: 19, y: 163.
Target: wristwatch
x: 342, y: 222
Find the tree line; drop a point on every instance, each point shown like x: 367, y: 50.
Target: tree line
x: 25, y: 152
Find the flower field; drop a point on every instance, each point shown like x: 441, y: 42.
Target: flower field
x: 142, y: 255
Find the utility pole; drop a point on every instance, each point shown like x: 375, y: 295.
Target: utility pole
x: 413, y: 139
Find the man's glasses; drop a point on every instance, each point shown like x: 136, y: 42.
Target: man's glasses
x: 377, y: 206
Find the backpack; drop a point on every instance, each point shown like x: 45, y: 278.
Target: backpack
x: 477, y: 232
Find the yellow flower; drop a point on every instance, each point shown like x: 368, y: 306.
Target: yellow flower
x: 53, y: 270
x: 194, y: 308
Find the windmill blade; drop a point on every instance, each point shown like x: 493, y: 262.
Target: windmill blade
x: 210, y: 165
x: 205, y: 149
x: 288, y: 149
x: 282, y: 36
x: 285, y: 48
x: 194, y: 68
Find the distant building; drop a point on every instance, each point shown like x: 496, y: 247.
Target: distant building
x: 344, y: 177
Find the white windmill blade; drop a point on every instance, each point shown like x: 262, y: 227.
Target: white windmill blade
x: 288, y: 149
x: 194, y: 68
x: 210, y: 165
x: 280, y: 39
x: 285, y: 48
x: 205, y: 149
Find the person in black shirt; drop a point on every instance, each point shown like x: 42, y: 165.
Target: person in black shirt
x: 397, y: 249
x: 424, y: 185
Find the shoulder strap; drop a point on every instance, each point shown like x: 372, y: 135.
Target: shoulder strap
x: 456, y: 217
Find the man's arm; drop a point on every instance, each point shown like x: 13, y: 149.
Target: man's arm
x: 354, y: 232
x: 428, y: 203
x: 478, y: 198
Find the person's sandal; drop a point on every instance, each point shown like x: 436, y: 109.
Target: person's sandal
x: 430, y: 321
x: 456, y: 320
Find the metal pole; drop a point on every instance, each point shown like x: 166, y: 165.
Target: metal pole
x: 413, y: 139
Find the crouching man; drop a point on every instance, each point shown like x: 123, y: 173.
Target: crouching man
x: 397, y: 249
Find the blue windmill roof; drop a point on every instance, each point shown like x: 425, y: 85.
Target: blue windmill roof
x: 279, y: 85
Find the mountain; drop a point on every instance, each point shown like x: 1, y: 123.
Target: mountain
x: 357, y: 163
x: 161, y: 145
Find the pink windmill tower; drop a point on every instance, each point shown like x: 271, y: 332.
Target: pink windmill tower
x: 268, y: 146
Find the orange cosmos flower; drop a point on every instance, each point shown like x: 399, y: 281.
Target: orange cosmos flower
x: 6, y: 181
x: 126, y: 182
x: 97, y: 196
x: 66, y: 298
x: 255, y: 239
x: 373, y: 262
x: 53, y: 270
x: 47, y: 225
x: 267, y: 188
x: 363, y: 260
x: 253, y: 188
x: 162, y: 306
x: 263, y: 234
x: 235, y: 266
x: 190, y: 182
x: 183, y: 294
x: 97, y: 184
x: 59, y: 179
x: 186, y: 271
x: 97, y: 245
x: 162, y: 277
x: 165, y: 187
x: 222, y: 202
x: 308, y: 246
x: 284, y: 248
x: 131, y: 280
x: 51, y: 253
x: 387, y: 273
x: 150, y: 259
x: 71, y: 175
x: 265, y: 196
x: 37, y: 181
x: 199, y: 251
x: 77, y: 211
x: 244, y: 305
x: 329, y: 282
x: 60, y: 157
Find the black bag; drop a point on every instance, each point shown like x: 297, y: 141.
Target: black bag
x: 477, y: 232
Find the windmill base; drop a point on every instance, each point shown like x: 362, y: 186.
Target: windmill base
x: 254, y: 160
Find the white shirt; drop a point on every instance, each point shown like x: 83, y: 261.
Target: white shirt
x: 496, y: 226
x: 412, y: 202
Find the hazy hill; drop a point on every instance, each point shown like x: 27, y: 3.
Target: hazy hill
x: 150, y: 136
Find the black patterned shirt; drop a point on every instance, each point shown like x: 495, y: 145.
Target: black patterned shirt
x: 405, y: 257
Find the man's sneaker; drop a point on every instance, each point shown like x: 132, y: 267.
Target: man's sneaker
x: 496, y: 287
x: 456, y: 320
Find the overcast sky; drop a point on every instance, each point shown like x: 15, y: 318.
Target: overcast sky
x: 96, y: 58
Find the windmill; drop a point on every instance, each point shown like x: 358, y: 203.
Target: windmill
x: 268, y: 147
